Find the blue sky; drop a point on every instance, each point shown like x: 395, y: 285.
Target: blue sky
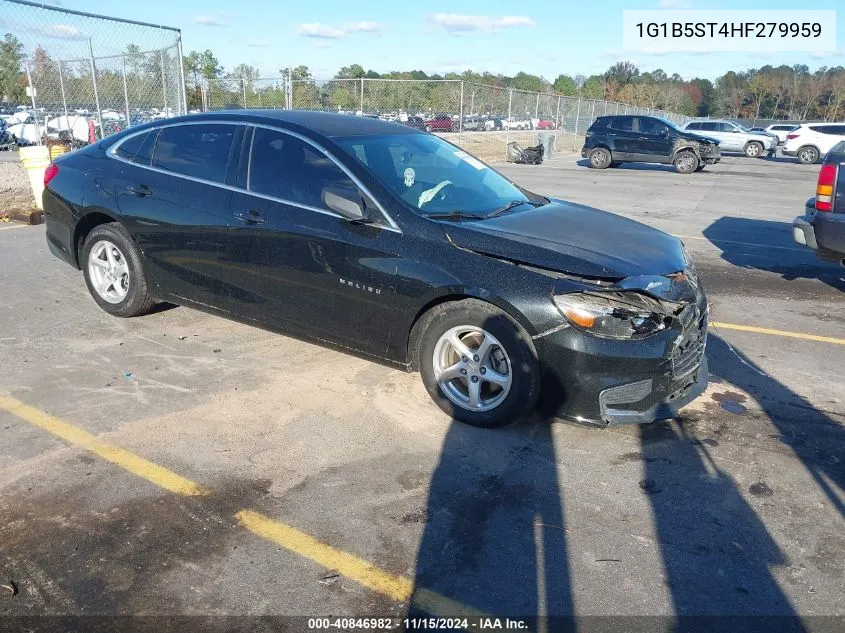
x: 545, y: 37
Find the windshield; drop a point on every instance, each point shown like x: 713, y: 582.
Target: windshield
x: 433, y: 176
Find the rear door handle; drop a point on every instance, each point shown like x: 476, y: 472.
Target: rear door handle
x: 250, y: 217
x: 139, y: 190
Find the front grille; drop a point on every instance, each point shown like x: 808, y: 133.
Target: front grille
x: 690, y: 349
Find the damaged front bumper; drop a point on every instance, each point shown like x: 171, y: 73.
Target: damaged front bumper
x: 610, y: 382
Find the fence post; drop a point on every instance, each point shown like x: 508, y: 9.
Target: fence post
x: 508, y: 120
x: 362, y: 96
x: 62, y: 86
x: 461, y: 120
x: 163, y: 82
x: 557, y: 114
x: 94, y: 81
x: 577, y: 116
x: 243, y: 89
x: 125, y: 92
x: 537, y: 107
x: 182, y: 73
x: 32, y: 98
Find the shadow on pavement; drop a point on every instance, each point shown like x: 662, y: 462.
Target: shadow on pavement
x: 767, y: 245
x: 494, y: 539
x: 816, y: 438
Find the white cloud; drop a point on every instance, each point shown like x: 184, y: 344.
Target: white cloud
x: 676, y: 4
x: 209, y: 20
x: 322, y: 44
x: 818, y: 55
x: 318, y: 30
x: 258, y: 44
x: 460, y: 23
x: 63, y: 32
x: 363, y: 27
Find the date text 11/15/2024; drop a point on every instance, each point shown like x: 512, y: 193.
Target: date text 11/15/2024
x: 418, y: 624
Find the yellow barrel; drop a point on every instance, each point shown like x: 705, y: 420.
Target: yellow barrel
x: 35, y: 160
x: 58, y: 150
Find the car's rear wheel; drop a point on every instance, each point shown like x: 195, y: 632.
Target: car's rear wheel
x: 753, y: 149
x: 686, y: 163
x: 478, y: 364
x: 599, y: 158
x: 114, y: 272
x: 808, y: 155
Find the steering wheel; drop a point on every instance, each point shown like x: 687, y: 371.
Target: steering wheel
x: 443, y: 193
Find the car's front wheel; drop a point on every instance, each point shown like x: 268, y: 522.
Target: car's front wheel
x: 686, y: 163
x: 753, y: 149
x: 114, y: 272
x: 477, y: 363
x: 599, y: 158
x: 808, y: 155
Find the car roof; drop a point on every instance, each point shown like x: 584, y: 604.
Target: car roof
x: 328, y: 124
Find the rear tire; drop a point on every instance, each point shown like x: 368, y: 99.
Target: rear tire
x: 753, y: 149
x: 114, y: 271
x: 808, y: 155
x: 495, y: 390
x: 599, y: 158
x: 686, y: 163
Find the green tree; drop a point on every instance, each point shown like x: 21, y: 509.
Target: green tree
x: 12, y: 79
x: 353, y: 71
x: 622, y: 73
x: 565, y: 85
x: 593, y: 88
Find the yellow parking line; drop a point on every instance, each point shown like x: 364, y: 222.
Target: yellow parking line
x: 136, y: 465
x: 764, y: 330
x: 398, y: 588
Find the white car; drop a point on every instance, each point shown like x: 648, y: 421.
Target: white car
x: 781, y: 130
x: 733, y: 137
x: 811, y: 141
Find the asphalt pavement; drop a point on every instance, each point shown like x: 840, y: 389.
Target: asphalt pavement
x: 182, y: 464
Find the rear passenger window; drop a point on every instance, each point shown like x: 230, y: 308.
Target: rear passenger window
x: 200, y: 151
x: 710, y: 127
x: 145, y: 153
x: 128, y: 148
x: 283, y: 166
x: 623, y: 124
x: 694, y: 126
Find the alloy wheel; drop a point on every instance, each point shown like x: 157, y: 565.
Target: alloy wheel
x: 108, y: 271
x: 472, y: 368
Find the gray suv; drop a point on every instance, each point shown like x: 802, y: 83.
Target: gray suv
x: 733, y: 137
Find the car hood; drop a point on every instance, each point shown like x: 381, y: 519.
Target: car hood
x: 574, y: 239
x: 701, y: 138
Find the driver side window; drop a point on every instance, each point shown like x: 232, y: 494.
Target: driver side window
x: 285, y: 167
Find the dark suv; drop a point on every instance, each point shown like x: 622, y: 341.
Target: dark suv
x: 612, y: 140
x: 822, y: 227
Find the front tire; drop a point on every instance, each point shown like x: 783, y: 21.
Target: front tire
x: 686, y: 163
x: 114, y: 271
x: 477, y: 363
x: 808, y: 155
x: 754, y: 149
x: 599, y: 158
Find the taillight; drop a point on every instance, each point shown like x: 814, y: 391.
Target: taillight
x: 824, y: 187
x: 50, y: 172
x: 789, y: 137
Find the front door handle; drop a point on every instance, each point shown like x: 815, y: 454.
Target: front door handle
x: 250, y: 217
x: 139, y: 190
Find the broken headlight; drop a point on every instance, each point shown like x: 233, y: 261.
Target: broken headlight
x: 614, y: 315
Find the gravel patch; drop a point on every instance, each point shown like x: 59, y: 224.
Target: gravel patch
x: 15, y: 193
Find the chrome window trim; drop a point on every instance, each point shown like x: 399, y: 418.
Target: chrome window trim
x: 391, y: 225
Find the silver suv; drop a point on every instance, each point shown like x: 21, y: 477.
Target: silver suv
x: 733, y: 137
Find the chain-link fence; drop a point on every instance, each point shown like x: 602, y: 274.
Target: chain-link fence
x: 479, y: 117
x: 79, y: 76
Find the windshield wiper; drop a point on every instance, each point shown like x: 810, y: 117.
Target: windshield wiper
x: 457, y: 214
x: 511, y: 205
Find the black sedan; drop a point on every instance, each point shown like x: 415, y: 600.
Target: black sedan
x: 393, y: 244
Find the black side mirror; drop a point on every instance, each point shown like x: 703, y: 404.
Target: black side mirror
x: 347, y: 203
